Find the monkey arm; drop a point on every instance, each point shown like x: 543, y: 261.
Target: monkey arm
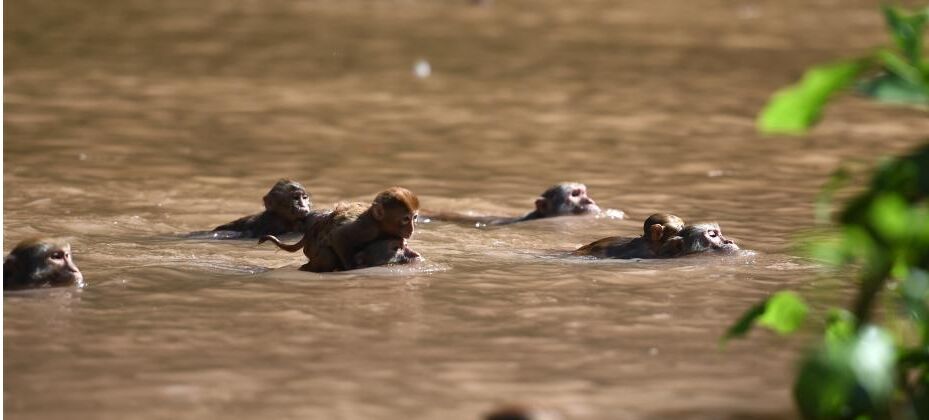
x: 347, y: 240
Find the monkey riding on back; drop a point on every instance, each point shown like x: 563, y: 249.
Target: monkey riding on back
x: 349, y: 236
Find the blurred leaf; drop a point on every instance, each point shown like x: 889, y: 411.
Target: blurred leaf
x: 872, y: 361
x: 847, y: 378
x: 907, y: 31
x: 915, y: 292
x: 890, y: 216
x: 840, y: 326
x: 792, y: 110
x: 784, y: 312
x: 836, y: 181
x: 906, y: 71
x: 745, y: 323
x: 824, y: 383
x: 891, y: 88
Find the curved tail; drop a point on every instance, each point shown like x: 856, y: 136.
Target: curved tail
x: 289, y: 248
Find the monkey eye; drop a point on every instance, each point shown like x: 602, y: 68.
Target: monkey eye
x: 415, y: 217
x: 58, y: 255
x: 713, y: 233
x: 576, y: 193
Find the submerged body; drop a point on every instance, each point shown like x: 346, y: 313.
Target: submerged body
x: 286, y: 206
x: 565, y: 199
x: 658, y: 229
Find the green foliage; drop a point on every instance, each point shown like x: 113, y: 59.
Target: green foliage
x: 902, y: 76
x: 783, y: 312
x: 861, y: 369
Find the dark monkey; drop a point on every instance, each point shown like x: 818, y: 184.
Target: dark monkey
x: 386, y: 252
x: 659, y: 228
x: 286, y: 206
x: 564, y: 199
x: 39, y: 263
x: 332, y: 241
x: 699, y: 238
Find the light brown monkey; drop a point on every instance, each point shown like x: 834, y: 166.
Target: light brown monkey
x: 40, y: 262
x: 698, y: 238
x: 659, y: 228
x: 565, y: 199
x: 286, y: 206
x: 332, y: 241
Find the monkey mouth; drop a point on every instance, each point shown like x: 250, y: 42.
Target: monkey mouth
x: 588, y: 209
x: 728, y: 248
x: 74, y: 279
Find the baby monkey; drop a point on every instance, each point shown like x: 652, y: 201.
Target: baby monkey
x: 286, y: 207
x: 333, y: 241
x: 659, y: 228
x: 39, y: 263
x: 386, y: 252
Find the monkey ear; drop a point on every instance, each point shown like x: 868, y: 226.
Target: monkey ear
x: 377, y: 210
x: 541, y: 205
x: 267, y: 201
x: 655, y: 232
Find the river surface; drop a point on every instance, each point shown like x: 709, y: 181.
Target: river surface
x: 130, y: 123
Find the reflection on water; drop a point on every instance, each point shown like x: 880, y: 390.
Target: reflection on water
x: 130, y: 123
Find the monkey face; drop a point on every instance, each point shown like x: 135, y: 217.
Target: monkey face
x: 705, y: 237
x: 300, y: 203
x: 566, y: 199
x: 41, y: 262
x: 60, y: 269
x: 288, y: 200
x: 397, y: 222
x: 713, y: 239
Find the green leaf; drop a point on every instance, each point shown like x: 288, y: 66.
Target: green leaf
x: 907, y: 31
x: 745, y: 322
x: 792, y: 110
x: 840, y: 327
x: 783, y: 312
x: 873, y: 360
x: 889, y: 214
x: 823, y: 384
x: 848, y: 378
x: 908, y: 72
x: 891, y: 88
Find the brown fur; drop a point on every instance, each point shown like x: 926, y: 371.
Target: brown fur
x: 658, y: 229
x: 332, y: 241
x: 286, y: 205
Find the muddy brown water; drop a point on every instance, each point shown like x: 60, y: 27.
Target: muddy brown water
x: 129, y: 123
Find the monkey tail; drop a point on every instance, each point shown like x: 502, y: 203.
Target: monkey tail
x: 289, y: 248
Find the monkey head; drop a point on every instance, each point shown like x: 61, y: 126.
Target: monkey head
x: 288, y: 200
x: 41, y: 262
x: 704, y: 237
x: 386, y: 251
x: 566, y: 199
x: 660, y: 227
x: 396, y: 211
